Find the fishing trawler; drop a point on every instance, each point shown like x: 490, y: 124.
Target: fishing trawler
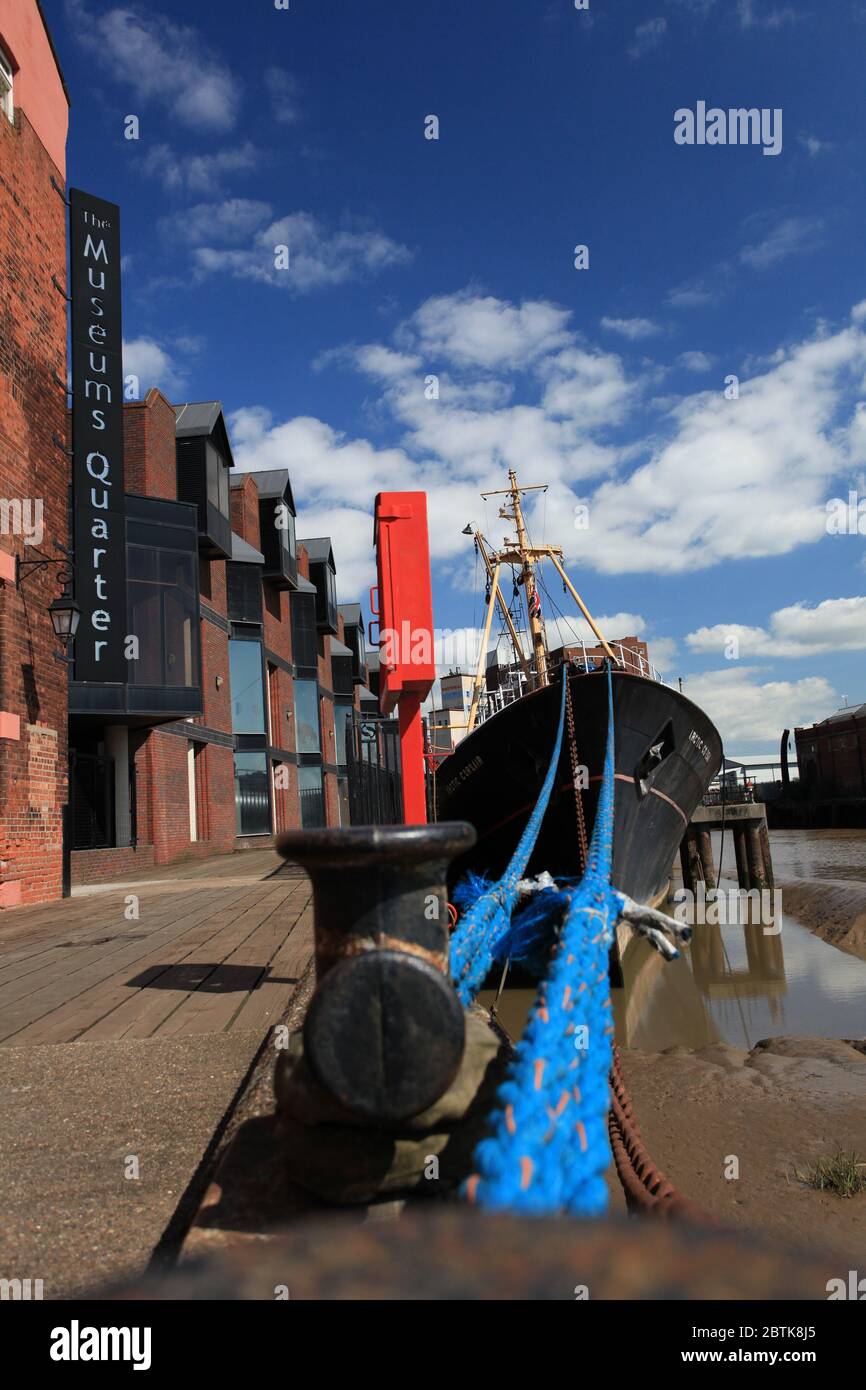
x: 666, y: 749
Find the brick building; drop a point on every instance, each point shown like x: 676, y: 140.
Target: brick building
x: 831, y: 757
x: 234, y: 710
x: 232, y: 725
x: 34, y: 472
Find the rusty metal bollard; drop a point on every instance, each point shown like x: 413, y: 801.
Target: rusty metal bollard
x: 384, y: 1032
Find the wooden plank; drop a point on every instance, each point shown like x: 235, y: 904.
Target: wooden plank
x: 83, y: 1012
x: 266, y: 1004
x: 140, y: 1017
x: 218, y: 999
x: 64, y: 987
x: 63, y: 965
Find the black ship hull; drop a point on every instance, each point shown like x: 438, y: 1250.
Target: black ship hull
x: 493, y: 778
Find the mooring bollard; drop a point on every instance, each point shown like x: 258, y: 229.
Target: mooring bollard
x: 384, y: 1032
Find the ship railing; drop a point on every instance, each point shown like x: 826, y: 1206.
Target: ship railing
x: 629, y: 658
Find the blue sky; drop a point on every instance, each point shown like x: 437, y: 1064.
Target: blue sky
x: 410, y: 257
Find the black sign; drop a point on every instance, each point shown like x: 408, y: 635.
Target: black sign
x: 97, y: 439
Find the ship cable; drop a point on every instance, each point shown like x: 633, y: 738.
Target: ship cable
x: 489, y: 917
x: 550, y: 1144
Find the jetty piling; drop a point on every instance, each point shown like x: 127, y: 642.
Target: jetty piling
x: 747, y: 822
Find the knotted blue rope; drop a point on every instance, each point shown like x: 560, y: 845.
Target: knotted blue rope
x: 549, y: 1147
x: 486, y: 921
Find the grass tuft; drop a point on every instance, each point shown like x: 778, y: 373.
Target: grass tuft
x: 844, y: 1174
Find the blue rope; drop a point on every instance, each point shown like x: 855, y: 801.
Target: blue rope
x: 488, y: 918
x: 549, y: 1147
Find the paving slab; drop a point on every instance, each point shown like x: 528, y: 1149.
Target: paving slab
x: 78, y: 1121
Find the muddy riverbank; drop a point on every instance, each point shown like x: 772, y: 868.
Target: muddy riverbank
x: 764, y: 1114
x: 835, y: 911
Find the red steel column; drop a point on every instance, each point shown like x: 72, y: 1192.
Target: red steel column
x: 412, y: 759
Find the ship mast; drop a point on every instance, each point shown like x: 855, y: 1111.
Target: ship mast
x: 525, y: 555
x: 520, y: 552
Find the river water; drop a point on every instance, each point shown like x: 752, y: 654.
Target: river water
x: 742, y: 982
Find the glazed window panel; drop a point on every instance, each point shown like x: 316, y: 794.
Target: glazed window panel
x: 247, y: 687
x: 312, y: 798
x: 252, y: 803
x: 163, y: 615
x: 307, y: 727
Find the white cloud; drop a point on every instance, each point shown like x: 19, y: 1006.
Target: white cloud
x: 736, y: 478
x: 695, y: 294
x: 836, y: 625
x: 469, y: 329
x: 198, y: 173
x: 764, y: 19
x: 631, y: 328
x: 716, y: 479
x: 156, y: 59
x: 793, y: 236
x: 317, y: 257
x: 647, y: 36
x: 814, y: 145
x: 153, y: 365
x: 747, y: 709
x: 223, y: 223
x: 696, y: 361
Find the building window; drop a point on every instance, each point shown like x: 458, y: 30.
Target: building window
x: 311, y: 797
x: 163, y: 614
x: 252, y: 803
x: 308, y: 738
x: 248, y: 703
x: 6, y: 94
x: 217, y: 482
x: 285, y: 521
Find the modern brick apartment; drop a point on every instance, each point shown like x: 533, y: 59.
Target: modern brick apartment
x: 233, y: 723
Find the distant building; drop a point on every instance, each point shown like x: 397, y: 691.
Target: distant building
x: 831, y: 756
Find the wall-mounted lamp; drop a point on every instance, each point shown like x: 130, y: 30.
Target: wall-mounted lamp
x: 64, y: 612
x: 65, y: 616
x: 219, y: 682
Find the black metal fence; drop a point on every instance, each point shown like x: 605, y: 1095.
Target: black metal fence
x: 373, y: 770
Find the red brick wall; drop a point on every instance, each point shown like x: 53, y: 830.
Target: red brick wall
x: 214, y: 664
x: 32, y: 409
x: 149, y: 449
x: 110, y: 865
x: 167, y: 774
x: 244, y: 498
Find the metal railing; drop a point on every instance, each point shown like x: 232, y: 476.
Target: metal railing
x: 492, y: 701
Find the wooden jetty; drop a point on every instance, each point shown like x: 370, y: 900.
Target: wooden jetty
x: 747, y: 820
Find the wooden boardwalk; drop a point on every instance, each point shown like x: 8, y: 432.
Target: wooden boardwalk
x: 218, y: 952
